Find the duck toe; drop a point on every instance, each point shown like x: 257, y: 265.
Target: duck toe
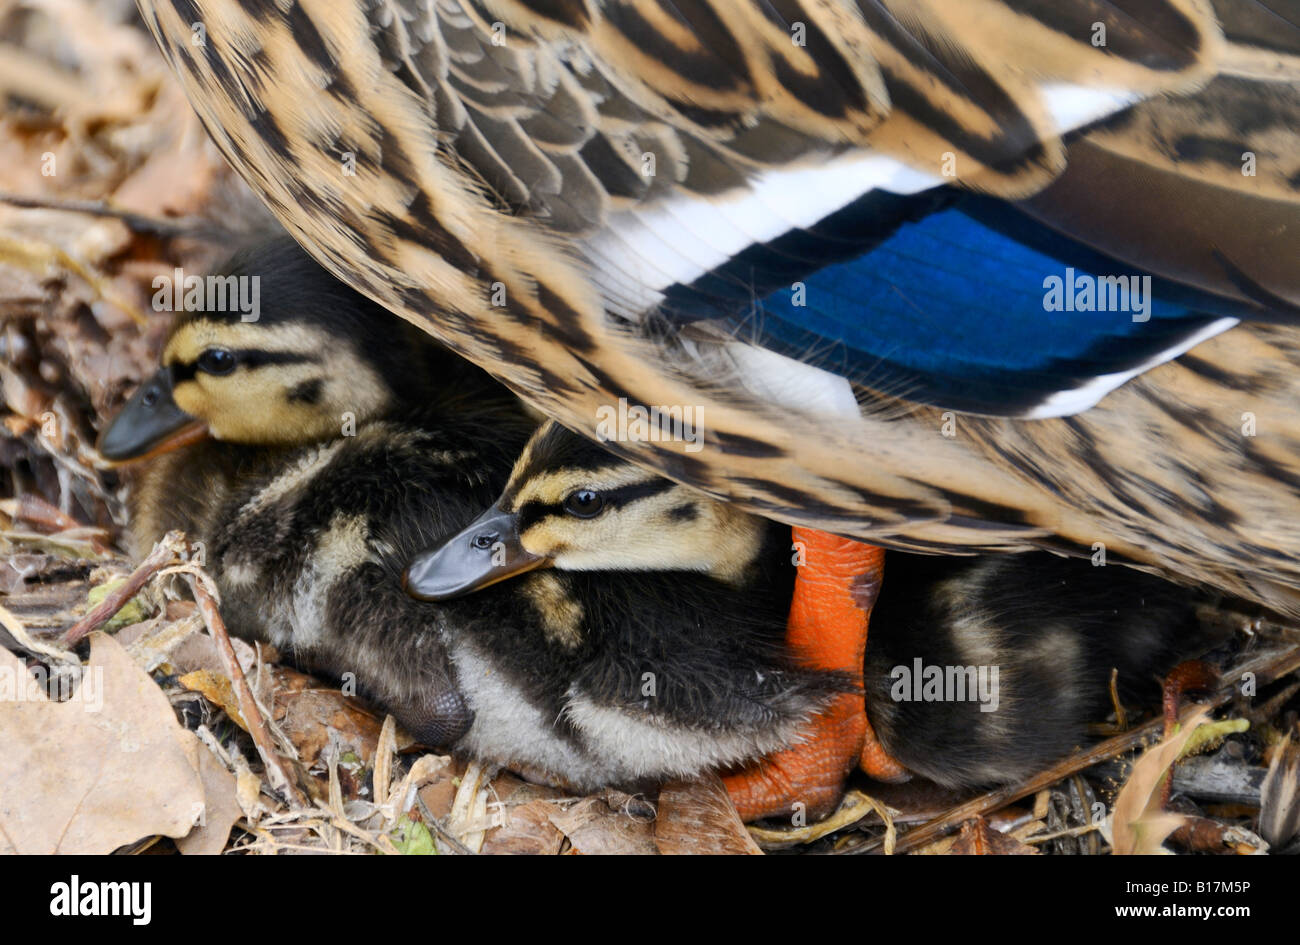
x: 835, y: 588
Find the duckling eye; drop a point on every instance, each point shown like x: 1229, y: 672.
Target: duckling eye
x: 585, y: 503
x: 216, y: 361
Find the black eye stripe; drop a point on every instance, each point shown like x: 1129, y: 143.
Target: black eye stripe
x: 637, y: 490
x: 247, y: 357
x: 530, y: 513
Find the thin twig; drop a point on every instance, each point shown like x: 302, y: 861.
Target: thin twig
x: 1121, y: 715
x: 1068, y: 832
x: 442, y: 832
x: 195, y: 227
x: 162, y: 555
x: 276, y: 772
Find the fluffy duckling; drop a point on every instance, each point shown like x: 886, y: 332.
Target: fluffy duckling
x: 1026, y: 644
x: 653, y: 579
x: 661, y: 651
x: 311, y: 452
x: 306, y: 530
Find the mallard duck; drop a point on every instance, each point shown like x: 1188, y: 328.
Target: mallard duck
x: 854, y: 249
x: 661, y: 587
x: 947, y: 277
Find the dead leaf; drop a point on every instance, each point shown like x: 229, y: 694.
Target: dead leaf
x: 198, y: 650
x: 977, y: 838
x: 854, y: 807
x: 101, y: 770
x: 439, y: 795
x: 1139, y: 824
x: 528, y: 830
x: 438, y: 771
x: 218, y: 690
x: 312, y: 714
x: 248, y: 793
x: 1279, y: 809
x: 521, y: 814
x: 220, y: 804
x: 594, y: 829
x: 698, y: 817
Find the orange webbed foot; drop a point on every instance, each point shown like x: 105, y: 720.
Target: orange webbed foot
x: 835, y: 589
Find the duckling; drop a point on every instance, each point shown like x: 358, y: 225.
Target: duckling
x: 309, y: 453
x: 307, y: 529
x: 1028, y: 641
x: 1026, y: 645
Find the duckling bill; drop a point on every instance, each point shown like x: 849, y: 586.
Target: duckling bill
x: 487, y: 551
x: 151, y: 423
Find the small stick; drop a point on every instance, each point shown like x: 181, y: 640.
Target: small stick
x: 442, y: 832
x: 276, y: 772
x: 162, y: 555
x: 990, y: 801
x: 31, y: 508
x: 1068, y: 832
x: 157, y: 226
x: 1121, y: 715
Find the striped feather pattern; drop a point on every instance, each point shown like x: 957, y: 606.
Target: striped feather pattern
x: 440, y: 171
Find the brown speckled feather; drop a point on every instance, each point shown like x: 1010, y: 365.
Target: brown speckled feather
x: 444, y: 156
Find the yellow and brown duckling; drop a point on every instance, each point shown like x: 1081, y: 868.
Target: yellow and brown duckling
x: 312, y: 452
x: 306, y: 530
x: 654, y: 580
x: 662, y: 653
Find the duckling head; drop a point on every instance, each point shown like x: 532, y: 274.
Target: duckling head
x: 572, y: 505
x: 315, y: 357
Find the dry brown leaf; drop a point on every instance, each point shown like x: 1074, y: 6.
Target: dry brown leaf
x: 221, y: 805
x: 439, y: 794
x: 1279, y: 809
x: 977, y: 838
x: 528, y: 831
x: 698, y: 817
x: 312, y: 714
x: 156, y: 640
x: 248, y: 793
x: 436, y: 772
x: 77, y: 777
x: 522, y: 815
x: 594, y: 829
x: 217, y: 689
x: 1139, y: 825
x: 199, y: 651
